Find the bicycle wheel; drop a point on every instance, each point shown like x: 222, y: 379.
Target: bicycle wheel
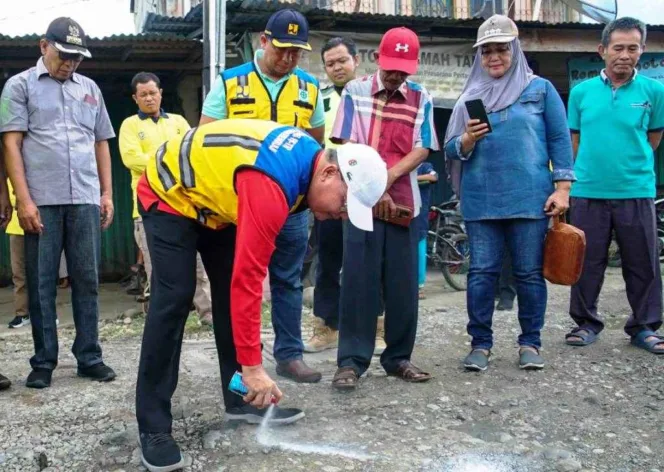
x: 444, y: 232
x: 456, y: 261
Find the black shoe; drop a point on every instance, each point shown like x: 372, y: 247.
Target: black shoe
x: 160, y: 452
x: 134, y: 287
x: 19, y: 321
x: 252, y: 415
x: 39, y: 378
x: 4, y: 382
x: 100, y: 372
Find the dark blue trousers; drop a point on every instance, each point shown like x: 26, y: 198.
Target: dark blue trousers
x: 77, y: 229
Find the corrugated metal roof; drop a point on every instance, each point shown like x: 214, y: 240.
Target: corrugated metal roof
x: 99, y: 42
x: 117, y: 52
x: 252, y: 14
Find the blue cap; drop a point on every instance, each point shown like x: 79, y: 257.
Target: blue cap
x: 288, y: 29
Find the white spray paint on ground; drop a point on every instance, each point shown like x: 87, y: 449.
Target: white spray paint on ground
x: 483, y: 462
x: 266, y: 437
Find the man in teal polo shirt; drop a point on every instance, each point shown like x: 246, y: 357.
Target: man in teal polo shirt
x: 616, y: 120
x: 273, y: 87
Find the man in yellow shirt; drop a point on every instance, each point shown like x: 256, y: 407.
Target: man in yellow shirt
x: 140, y: 137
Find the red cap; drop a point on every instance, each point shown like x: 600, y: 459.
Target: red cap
x: 399, y: 50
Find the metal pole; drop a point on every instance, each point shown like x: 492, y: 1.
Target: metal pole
x: 208, y: 46
x: 536, y: 10
x: 220, y: 63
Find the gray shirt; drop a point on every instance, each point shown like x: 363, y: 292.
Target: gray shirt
x: 61, y: 122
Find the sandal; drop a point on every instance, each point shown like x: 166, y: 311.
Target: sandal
x: 586, y: 335
x: 640, y: 341
x: 409, y: 372
x: 345, y: 378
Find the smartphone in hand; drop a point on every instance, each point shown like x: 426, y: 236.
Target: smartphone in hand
x: 476, y: 111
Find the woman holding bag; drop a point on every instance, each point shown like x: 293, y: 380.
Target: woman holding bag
x: 505, y: 184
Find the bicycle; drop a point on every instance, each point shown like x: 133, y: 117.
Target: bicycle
x: 447, y: 244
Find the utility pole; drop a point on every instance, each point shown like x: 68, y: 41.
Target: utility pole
x: 537, y: 9
x: 214, y: 42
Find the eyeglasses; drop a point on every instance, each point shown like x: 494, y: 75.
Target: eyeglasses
x: 68, y: 56
x: 65, y: 56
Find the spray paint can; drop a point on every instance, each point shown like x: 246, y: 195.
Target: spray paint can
x: 238, y: 387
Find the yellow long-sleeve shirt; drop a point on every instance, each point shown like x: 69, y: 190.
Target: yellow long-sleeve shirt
x: 13, y: 227
x: 140, y: 137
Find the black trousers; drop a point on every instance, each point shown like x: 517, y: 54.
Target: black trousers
x: 636, y: 232
x: 379, y: 269
x: 173, y: 242
x: 330, y: 237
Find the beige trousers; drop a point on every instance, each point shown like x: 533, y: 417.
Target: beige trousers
x: 17, y: 255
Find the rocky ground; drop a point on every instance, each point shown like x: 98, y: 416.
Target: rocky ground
x: 592, y: 409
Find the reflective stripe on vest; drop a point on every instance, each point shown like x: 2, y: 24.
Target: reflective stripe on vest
x: 186, y: 170
x: 166, y: 177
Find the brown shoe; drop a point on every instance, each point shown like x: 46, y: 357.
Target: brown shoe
x: 299, y: 371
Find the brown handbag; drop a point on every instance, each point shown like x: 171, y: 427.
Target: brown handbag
x: 564, y: 252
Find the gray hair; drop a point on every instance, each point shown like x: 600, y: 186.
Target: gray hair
x: 625, y: 23
x: 331, y: 156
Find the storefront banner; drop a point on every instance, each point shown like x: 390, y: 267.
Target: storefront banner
x: 582, y: 68
x: 443, y: 70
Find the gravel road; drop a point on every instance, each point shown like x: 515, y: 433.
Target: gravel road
x: 592, y: 409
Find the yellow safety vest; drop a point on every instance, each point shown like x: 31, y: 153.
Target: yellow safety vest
x: 247, y: 97
x: 331, y: 101
x: 195, y: 174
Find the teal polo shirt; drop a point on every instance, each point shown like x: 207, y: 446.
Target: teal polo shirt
x: 615, y: 160
x: 215, y: 102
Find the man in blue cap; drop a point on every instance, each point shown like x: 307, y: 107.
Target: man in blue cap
x: 272, y: 87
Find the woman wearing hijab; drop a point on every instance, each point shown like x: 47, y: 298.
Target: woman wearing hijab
x: 505, y: 184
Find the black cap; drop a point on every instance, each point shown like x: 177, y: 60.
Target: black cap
x: 67, y: 36
x: 288, y: 29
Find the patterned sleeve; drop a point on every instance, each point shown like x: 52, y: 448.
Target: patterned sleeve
x: 425, y: 131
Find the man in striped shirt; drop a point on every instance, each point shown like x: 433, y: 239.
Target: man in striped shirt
x: 395, y: 117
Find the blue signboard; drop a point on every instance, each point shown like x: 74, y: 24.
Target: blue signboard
x: 586, y: 67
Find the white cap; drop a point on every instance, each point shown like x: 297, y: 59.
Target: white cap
x: 365, y: 173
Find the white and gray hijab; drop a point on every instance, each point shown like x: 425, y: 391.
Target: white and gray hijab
x: 496, y: 94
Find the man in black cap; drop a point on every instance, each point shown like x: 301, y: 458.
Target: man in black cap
x: 55, y: 131
x: 272, y: 87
